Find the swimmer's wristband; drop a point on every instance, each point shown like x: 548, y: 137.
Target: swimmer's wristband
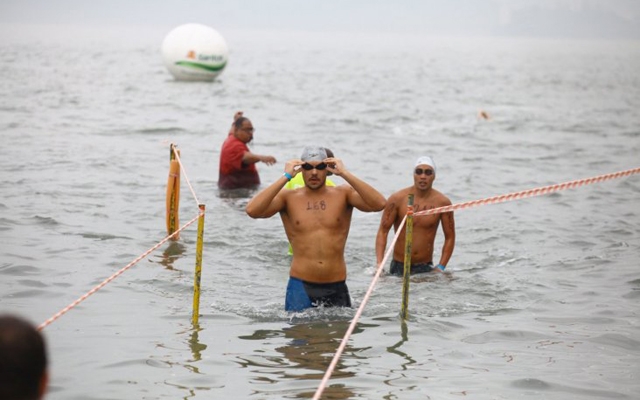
x: 441, y: 267
x: 287, y: 175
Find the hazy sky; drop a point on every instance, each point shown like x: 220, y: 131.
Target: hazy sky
x: 551, y: 18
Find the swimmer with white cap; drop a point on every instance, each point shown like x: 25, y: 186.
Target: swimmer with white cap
x: 426, y: 160
x: 316, y: 219
x: 425, y: 227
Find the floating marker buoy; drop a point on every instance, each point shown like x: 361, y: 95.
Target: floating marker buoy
x: 195, y: 52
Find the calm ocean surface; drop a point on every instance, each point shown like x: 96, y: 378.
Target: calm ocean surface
x: 543, y: 300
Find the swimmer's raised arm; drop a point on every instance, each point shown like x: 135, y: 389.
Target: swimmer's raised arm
x: 270, y: 200
x: 363, y: 196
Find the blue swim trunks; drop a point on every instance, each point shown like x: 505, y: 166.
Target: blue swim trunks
x: 397, y: 268
x: 302, y: 295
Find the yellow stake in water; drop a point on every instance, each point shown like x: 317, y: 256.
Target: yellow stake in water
x: 408, y: 238
x: 198, y: 273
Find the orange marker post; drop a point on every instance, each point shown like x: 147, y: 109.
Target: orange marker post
x: 173, y: 193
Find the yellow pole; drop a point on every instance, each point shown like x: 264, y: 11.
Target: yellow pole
x: 198, y: 273
x: 408, y: 238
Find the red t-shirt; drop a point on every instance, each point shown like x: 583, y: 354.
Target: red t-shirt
x: 233, y: 173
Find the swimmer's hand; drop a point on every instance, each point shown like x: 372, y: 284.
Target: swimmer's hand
x: 269, y: 160
x: 293, y: 167
x: 335, y: 165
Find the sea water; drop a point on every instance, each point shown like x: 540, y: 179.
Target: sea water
x: 542, y: 296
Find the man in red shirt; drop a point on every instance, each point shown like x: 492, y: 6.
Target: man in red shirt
x: 237, y: 163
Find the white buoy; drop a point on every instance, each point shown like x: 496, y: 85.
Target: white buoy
x: 195, y: 52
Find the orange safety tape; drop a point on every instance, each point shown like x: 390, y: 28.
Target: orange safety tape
x: 175, y: 152
x: 112, y: 277
x: 355, y: 319
x: 469, y: 204
x: 530, y: 192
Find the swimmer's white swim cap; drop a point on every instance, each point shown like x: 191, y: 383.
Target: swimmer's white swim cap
x: 426, y: 160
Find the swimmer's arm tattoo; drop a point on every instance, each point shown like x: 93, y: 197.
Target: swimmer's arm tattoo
x: 388, y: 215
x: 450, y: 221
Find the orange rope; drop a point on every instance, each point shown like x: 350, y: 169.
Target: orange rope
x: 529, y: 193
x: 175, y: 152
x: 112, y: 277
x: 355, y: 319
x: 469, y: 204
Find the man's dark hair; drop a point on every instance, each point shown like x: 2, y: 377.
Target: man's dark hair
x: 329, y: 154
x: 238, y: 123
x: 23, y: 359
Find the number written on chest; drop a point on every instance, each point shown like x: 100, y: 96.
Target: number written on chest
x: 316, y: 205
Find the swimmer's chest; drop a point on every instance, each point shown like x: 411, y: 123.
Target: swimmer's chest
x: 424, y: 221
x: 319, y: 211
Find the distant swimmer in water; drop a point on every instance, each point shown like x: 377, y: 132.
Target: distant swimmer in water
x: 237, y: 162
x: 297, y: 182
x: 316, y: 219
x: 425, y: 227
x: 484, y: 115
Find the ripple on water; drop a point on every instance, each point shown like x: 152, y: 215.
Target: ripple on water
x: 577, y: 321
x: 32, y: 283
x: 274, y: 312
x: 619, y: 341
x: 7, y: 224
x: 102, y: 236
x: 18, y: 270
x: 160, y: 130
x: 504, y: 336
x: 45, y: 221
x: 39, y: 294
x: 537, y: 385
x: 530, y: 383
